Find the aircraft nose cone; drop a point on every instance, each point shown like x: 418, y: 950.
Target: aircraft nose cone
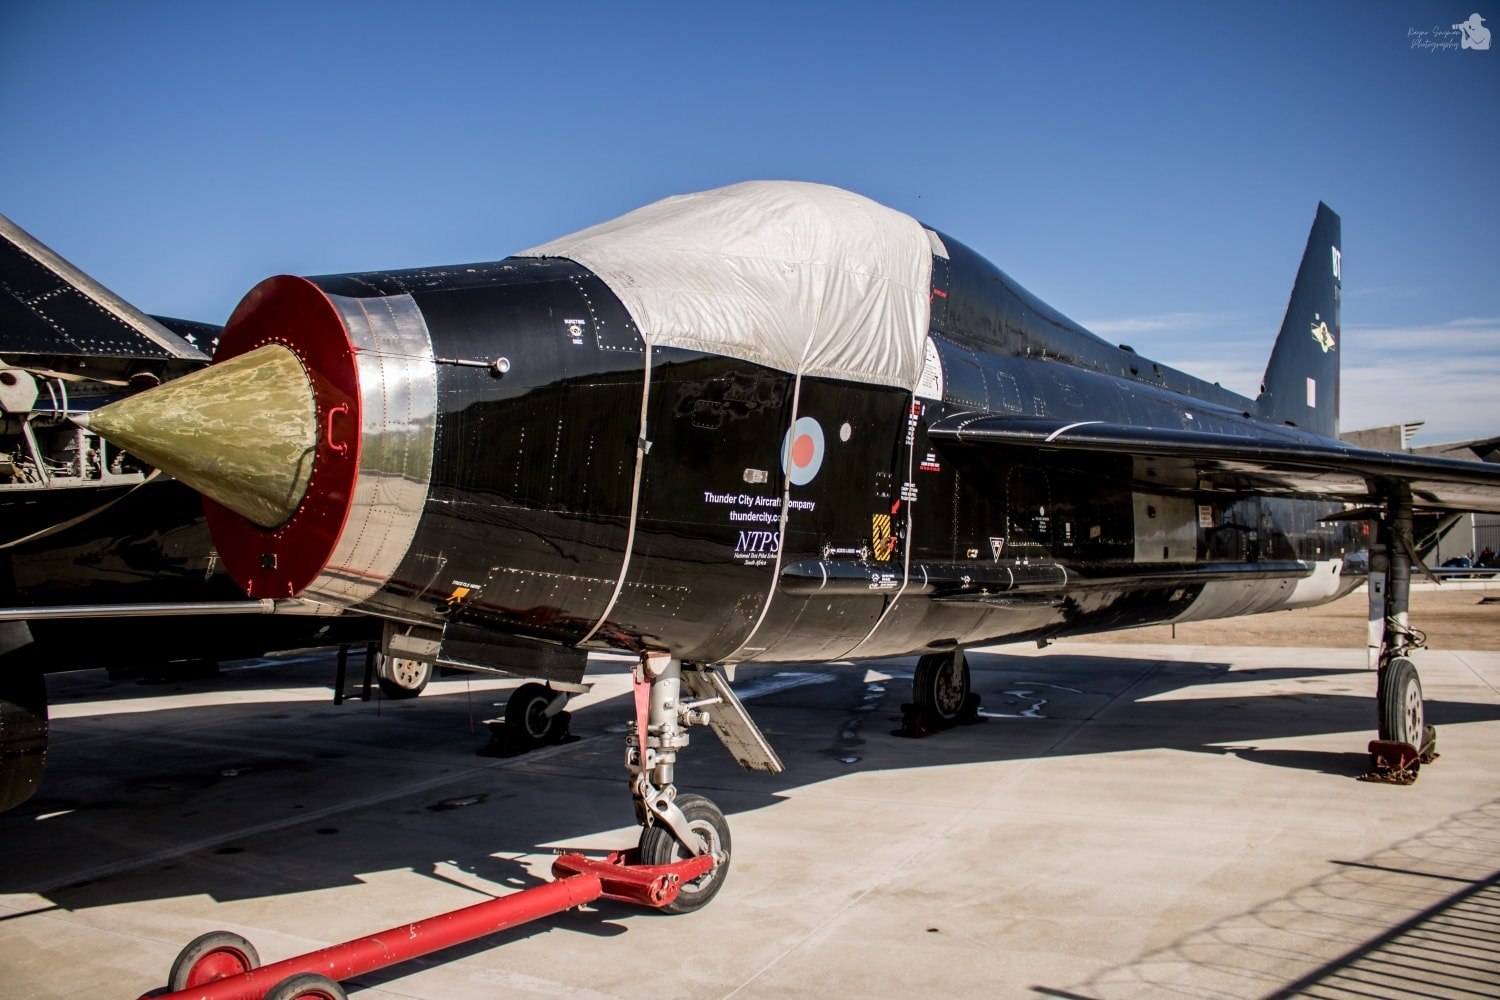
x: 242, y: 432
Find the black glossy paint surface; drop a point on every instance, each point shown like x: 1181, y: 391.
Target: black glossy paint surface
x: 889, y: 542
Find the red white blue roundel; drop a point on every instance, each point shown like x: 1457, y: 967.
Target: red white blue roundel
x: 802, y: 451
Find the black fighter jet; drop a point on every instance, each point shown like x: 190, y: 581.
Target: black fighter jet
x: 771, y: 422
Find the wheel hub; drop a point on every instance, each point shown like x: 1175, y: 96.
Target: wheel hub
x: 407, y: 673
x: 950, y: 689
x: 1414, y: 715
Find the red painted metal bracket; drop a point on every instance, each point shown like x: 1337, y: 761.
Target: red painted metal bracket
x: 625, y: 879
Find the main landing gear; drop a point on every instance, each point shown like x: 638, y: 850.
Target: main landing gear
x: 940, y: 695
x: 1405, y: 740
x: 535, y: 716
x: 402, y: 677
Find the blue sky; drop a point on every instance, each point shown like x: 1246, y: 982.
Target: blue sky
x: 1151, y: 170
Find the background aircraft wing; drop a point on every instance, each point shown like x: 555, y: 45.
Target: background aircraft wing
x: 50, y: 307
x: 1275, y: 465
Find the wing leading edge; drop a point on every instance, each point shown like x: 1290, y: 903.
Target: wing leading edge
x: 1307, y: 466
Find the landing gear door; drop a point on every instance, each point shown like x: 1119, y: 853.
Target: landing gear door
x: 1166, y: 529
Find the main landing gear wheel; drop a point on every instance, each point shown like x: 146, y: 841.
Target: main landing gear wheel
x: 659, y: 847
x: 526, y: 714
x: 401, y: 677
x: 307, y: 986
x: 1402, y: 719
x: 941, y: 686
x: 212, y: 956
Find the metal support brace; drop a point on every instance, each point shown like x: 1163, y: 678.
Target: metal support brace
x: 559, y: 702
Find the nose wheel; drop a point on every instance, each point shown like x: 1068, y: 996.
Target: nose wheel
x: 659, y: 847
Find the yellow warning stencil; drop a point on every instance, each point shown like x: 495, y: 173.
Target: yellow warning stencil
x: 881, y: 540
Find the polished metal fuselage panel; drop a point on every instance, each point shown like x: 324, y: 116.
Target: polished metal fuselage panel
x: 398, y: 403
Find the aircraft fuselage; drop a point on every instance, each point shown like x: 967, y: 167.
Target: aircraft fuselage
x: 769, y: 517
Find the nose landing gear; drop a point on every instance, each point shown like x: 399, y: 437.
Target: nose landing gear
x: 675, y: 827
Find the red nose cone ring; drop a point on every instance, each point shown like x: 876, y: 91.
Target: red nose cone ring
x: 284, y: 561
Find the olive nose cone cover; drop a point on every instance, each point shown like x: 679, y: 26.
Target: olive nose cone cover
x: 242, y: 432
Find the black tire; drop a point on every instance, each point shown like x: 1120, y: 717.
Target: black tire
x: 307, y: 986
x: 940, y: 686
x: 401, y: 677
x: 212, y: 956
x: 659, y: 847
x: 1399, y: 701
x: 23, y: 733
x: 526, y: 712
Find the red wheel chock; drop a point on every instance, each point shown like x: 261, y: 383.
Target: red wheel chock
x: 1398, y: 763
x: 578, y: 880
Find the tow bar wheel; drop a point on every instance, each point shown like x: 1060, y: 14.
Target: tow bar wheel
x: 307, y: 986
x: 659, y: 847
x: 212, y: 956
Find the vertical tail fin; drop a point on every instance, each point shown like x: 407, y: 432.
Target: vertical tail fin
x: 1301, y: 384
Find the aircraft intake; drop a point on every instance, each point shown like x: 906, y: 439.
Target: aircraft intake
x: 310, y: 438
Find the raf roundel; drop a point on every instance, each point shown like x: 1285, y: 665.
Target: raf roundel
x: 802, y: 451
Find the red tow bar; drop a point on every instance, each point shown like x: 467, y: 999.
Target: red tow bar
x: 579, y: 880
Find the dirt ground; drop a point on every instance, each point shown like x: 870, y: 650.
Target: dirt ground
x: 1452, y: 619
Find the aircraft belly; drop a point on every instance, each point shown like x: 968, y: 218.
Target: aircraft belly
x: 1324, y: 584
x: 1228, y: 598
x: 129, y: 544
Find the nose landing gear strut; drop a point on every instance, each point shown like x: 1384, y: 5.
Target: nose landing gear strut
x: 673, y: 827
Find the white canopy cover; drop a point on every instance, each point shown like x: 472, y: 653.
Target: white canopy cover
x: 800, y: 277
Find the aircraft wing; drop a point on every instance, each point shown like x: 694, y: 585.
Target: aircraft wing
x: 1291, y: 466
x: 50, y: 307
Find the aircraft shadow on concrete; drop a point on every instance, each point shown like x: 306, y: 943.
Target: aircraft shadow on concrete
x: 276, y: 797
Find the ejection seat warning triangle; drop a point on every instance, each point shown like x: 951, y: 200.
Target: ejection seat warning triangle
x: 997, y: 545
